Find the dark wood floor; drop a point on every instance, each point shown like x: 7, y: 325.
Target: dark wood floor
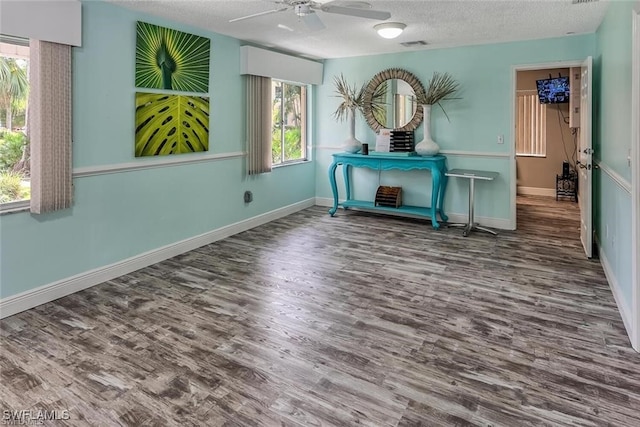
x: 357, y: 319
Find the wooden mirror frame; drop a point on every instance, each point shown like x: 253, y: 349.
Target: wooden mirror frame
x: 383, y: 76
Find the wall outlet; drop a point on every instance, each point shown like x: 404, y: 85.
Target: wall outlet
x: 248, y: 197
x: 500, y: 139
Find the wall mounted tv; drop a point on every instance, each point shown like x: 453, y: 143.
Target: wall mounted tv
x: 554, y: 90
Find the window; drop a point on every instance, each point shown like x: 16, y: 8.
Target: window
x: 531, y: 126
x: 14, y: 145
x: 289, y: 113
x: 47, y: 176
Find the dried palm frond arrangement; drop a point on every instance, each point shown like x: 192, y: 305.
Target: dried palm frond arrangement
x: 378, y: 102
x: 441, y: 87
x: 353, y: 97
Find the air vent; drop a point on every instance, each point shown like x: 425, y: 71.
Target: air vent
x: 582, y: 1
x: 415, y: 43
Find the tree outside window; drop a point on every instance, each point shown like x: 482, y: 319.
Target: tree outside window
x: 14, y: 143
x: 289, y: 117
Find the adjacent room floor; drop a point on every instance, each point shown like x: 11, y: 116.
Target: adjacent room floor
x: 356, y: 319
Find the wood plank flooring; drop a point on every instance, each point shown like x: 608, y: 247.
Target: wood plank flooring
x: 353, y: 320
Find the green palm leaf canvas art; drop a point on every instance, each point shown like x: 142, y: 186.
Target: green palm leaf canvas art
x: 170, y: 59
x: 171, y: 124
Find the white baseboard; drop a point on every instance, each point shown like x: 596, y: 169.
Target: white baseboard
x: 625, y: 312
x: 52, y: 291
x: 324, y: 201
x: 535, y: 191
x: 499, y: 223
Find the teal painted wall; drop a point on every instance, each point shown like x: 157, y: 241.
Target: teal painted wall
x: 613, y: 229
x: 612, y: 138
x: 117, y: 216
x: 612, y: 141
x: 120, y: 215
x: 484, y: 112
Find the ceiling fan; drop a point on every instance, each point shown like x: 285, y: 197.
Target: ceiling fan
x: 306, y: 10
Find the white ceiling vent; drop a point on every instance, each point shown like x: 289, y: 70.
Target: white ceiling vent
x: 582, y: 1
x: 415, y: 43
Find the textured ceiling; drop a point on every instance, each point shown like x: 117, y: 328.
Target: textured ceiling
x: 439, y: 23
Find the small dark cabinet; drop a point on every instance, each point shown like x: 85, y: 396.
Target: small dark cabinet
x: 567, y: 186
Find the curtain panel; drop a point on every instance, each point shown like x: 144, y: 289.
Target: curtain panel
x: 50, y: 126
x: 259, y: 124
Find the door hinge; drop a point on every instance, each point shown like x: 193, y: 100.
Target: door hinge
x: 584, y: 166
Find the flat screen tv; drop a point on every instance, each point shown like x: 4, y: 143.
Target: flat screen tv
x: 553, y: 91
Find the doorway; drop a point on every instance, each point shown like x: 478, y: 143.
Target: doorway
x: 556, y: 132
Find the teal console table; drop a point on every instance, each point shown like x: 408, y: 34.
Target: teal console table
x: 435, y: 164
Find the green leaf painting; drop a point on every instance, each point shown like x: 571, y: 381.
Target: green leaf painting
x: 171, y: 124
x: 170, y: 59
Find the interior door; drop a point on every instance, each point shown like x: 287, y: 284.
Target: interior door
x: 585, y: 158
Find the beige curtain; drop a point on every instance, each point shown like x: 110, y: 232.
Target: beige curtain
x: 531, y: 126
x: 50, y: 126
x: 259, y: 101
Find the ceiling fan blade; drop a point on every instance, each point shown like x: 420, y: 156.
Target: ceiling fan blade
x: 351, y: 11
x: 255, y: 15
x: 285, y: 27
x: 313, y: 22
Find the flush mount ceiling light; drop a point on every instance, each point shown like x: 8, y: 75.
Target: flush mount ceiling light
x: 389, y: 30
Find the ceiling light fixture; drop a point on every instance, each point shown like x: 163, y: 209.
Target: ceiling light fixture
x: 390, y: 30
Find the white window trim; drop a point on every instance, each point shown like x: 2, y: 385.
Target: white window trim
x: 306, y: 145
x: 15, y: 206
x: 531, y: 155
x: 291, y: 163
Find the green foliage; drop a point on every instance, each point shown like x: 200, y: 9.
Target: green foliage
x: 11, y: 187
x: 276, y: 147
x: 292, y: 97
x: 11, y: 146
x: 292, y: 145
x: 171, y: 124
x: 170, y: 59
x: 287, y: 125
x: 13, y: 76
x: 14, y: 86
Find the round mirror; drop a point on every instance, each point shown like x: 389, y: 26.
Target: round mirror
x: 390, y: 100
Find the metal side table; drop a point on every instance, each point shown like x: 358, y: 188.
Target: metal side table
x: 472, y: 175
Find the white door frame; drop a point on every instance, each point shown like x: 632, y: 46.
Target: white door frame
x: 635, y: 179
x: 514, y: 106
x: 585, y: 157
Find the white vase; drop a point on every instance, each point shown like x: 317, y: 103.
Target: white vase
x: 427, y: 147
x: 351, y: 144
